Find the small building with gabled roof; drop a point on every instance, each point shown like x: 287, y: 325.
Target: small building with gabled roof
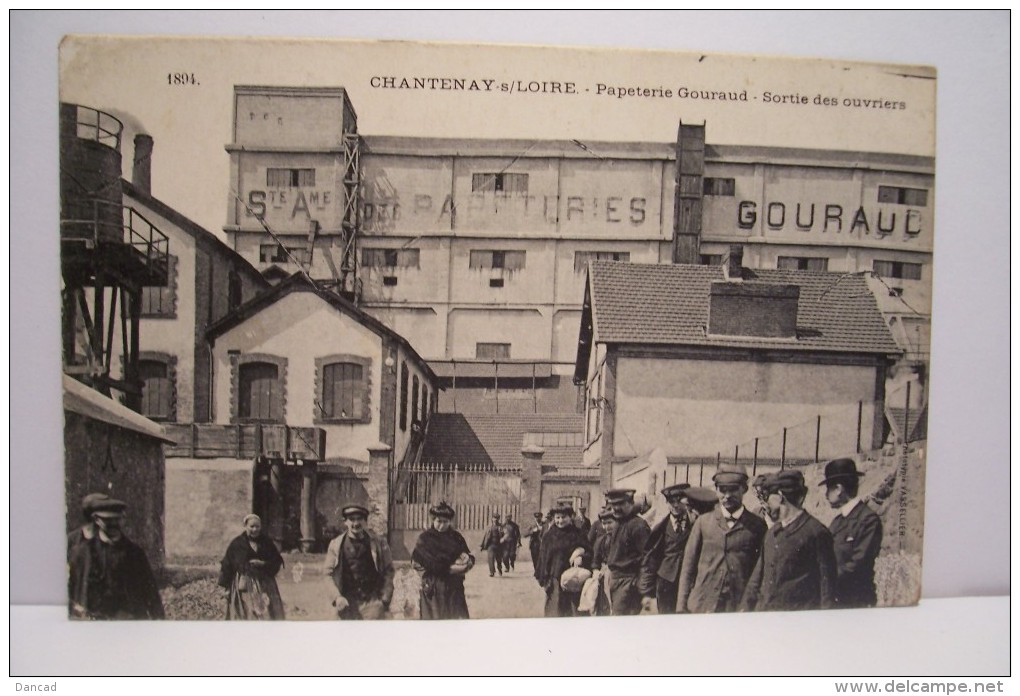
x: 715, y: 363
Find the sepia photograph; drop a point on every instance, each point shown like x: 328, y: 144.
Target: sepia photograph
x: 337, y: 344
x: 405, y: 331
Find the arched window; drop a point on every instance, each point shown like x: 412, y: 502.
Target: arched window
x: 259, y: 392
x: 342, y: 389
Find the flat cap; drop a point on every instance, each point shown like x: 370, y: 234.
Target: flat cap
x: 103, y: 505
x: 787, y: 481
x: 354, y: 511
x: 606, y: 514
x: 677, y: 489
x: 701, y: 499
x: 619, y: 495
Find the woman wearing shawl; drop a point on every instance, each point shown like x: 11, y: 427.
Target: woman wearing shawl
x: 563, y: 546
x: 248, y: 575
x: 442, y: 557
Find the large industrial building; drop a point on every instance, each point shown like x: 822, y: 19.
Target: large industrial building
x: 476, y: 250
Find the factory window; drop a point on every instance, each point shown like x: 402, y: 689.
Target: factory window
x: 507, y: 260
x: 710, y: 259
x: 897, y: 269
x: 404, y: 377
x: 492, y: 351
x: 719, y: 187
x: 499, y: 182
x: 802, y: 263
x: 272, y: 253
x: 581, y: 258
x: 342, y: 388
x: 903, y: 196
x: 424, y: 404
x: 234, y: 295
x: 389, y: 281
x: 260, y: 388
x: 156, y: 372
x: 161, y: 301
x: 390, y: 258
x: 289, y: 178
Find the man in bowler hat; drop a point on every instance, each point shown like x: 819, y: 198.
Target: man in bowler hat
x: 664, y: 553
x: 797, y: 568
x: 722, y: 549
x: 856, y: 535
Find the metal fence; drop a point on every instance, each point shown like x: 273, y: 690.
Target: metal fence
x: 475, y: 491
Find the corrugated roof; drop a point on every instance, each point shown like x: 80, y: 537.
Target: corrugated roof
x: 668, y: 304
x: 496, y: 440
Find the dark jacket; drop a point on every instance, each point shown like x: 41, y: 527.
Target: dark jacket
x: 111, y: 580
x: 664, y: 554
x: 381, y: 557
x: 239, y: 555
x: 856, y: 541
x: 554, y: 556
x: 718, y: 561
x: 492, y: 536
x: 627, y: 547
x: 796, y: 569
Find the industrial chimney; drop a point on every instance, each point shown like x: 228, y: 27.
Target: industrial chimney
x: 690, y: 190
x: 141, y: 172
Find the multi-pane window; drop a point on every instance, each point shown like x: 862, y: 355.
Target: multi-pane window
x: 157, y: 389
x: 898, y: 269
x: 581, y: 258
x: 161, y: 301
x: 499, y: 182
x: 802, y: 263
x: 492, y: 351
x: 715, y: 186
x: 289, y: 178
x: 259, y: 392
x: 342, y: 390
x: 390, y: 258
x: 902, y: 196
x: 506, y: 260
x: 710, y: 259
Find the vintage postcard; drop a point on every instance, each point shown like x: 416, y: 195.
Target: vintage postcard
x: 368, y: 330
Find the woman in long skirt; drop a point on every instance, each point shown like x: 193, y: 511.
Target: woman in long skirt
x: 442, y: 558
x: 563, y: 546
x: 248, y: 575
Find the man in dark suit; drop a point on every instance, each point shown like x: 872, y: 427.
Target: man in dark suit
x: 797, y: 567
x: 856, y: 535
x: 722, y: 548
x: 664, y: 553
x: 492, y: 545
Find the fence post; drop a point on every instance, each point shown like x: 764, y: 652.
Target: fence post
x: 782, y: 461
x: 860, y: 418
x: 754, y: 462
x: 687, y: 473
x: 701, y: 475
x: 736, y: 453
x: 818, y: 436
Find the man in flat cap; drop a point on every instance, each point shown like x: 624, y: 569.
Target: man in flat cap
x: 722, y: 549
x: 626, y: 553
x: 856, y: 535
x: 359, y: 569
x: 492, y: 545
x: 797, y: 567
x: 109, y: 575
x: 664, y: 553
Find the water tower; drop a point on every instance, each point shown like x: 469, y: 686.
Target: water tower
x: 108, y: 253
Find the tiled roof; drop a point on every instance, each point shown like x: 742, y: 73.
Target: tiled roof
x: 668, y: 304
x: 496, y: 440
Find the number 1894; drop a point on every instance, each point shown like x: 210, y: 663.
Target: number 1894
x: 181, y: 78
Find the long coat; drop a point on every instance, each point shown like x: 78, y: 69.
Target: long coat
x: 442, y: 593
x: 382, y: 558
x: 110, y: 580
x: 796, y: 569
x: 236, y: 563
x: 557, y: 547
x: 718, y: 561
x: 856, y: 540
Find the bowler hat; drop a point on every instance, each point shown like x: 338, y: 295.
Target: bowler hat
x: 730, y: 473
x: 787, y: 481
x: 620, y: 495
x: 354, y: 511
x: 701, y: 499
x: 677, y: 489
x: 840, y: 469
x: 443, y: 509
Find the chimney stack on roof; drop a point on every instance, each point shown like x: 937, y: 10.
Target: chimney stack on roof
x: 735, y: 263
x: 141, y: 171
